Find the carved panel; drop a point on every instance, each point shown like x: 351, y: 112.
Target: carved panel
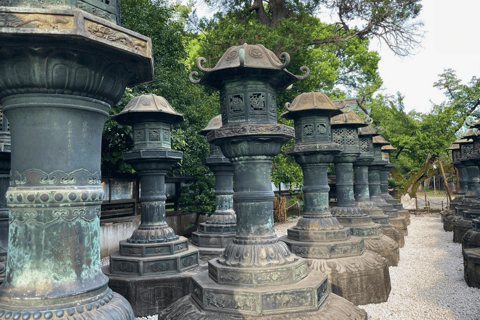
x: 115, y: 36
x: 154, y: 135
x: 140, y: 135
x: 36, y: 21
x: 257, y: 102
x: 236, y: 104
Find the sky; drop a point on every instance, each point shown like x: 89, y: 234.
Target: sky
x: 449, y: 42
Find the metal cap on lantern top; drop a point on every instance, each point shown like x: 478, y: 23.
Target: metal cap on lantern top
x: 255, y: 262
x: 214, y: 234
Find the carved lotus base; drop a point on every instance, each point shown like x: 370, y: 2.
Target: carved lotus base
x: 153, y: 265
x: 460, y: 228
x: 209, y: 240
x: 395, y: 234
x: 326, y: 250
x: 400, y: 224
x: 224, y: 300
x: 334, y: 308
x: 150, y: 295
x: 258, y: 277
x: 361, y: 226
x: 153, y: 234
x: 363, y: 279
x: 385, y: 247
x: 405, y: 214
x: 242, y: 254
x: 106, y: 305
x: 227, y: 218
x: 449, y: 221
x: 471, y: 265
x: 310, y: 222
x: 471, y: 239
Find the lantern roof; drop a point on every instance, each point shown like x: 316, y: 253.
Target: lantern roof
x: 215, y: 123
x: 454, y: 146
x: 349, y: 119
x: 247, y: 60
x: 380, y: 140
x: 388, y: 148
x: 367, y: 131
x: 311, y: 101
x: 148, y: 107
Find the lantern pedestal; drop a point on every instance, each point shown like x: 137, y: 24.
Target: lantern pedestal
x: 219, y: 230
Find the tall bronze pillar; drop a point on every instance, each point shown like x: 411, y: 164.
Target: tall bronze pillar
x: 61, y: 70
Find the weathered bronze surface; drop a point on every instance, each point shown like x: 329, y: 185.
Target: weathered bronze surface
x: 374, y: 179
x: 5, y: 149
x: 61, y: 70
x: 358, y: 276
x: 362, y: 191
x: 219, y: 230
x: 345, y: 132
x: 257, y: 275
x: 153, y: 250
x: 450, y: 217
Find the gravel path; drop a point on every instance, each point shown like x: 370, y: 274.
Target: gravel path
x: 428, y: 282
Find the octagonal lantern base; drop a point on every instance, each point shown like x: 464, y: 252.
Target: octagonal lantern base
x: 362, y: 279
x: 395, y: 234
x: 150, y: 295
x: 471, y: 265
x: 404, y: 213
x: 385, y: 247
x: 401, y: 224
x: 471, y: 239
x: 448, y: 222
x: 138, y: 261
x: 334, y: 308
x: 460, y: 228
x: 207, y: 254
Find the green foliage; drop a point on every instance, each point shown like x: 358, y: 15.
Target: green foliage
x: 285, y: 170
x: 164, y: 24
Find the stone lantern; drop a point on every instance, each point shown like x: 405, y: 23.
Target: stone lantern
x: 318, y: 237
x: 63, y: 64
x: 464, y: 222
x: 257, y: 276
x: 374, y: 180
x: 5, y: 149
x: 345, y: 132
x: 449, y: 220
x: 153, y: 251
x: 219, y: 230
x: 384, y: 174
x: 362, y: 191
x: 470, y: 200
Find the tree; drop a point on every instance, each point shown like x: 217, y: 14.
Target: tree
x: 164, y: 24
x: 422, y: 138
x: 391, y: 21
